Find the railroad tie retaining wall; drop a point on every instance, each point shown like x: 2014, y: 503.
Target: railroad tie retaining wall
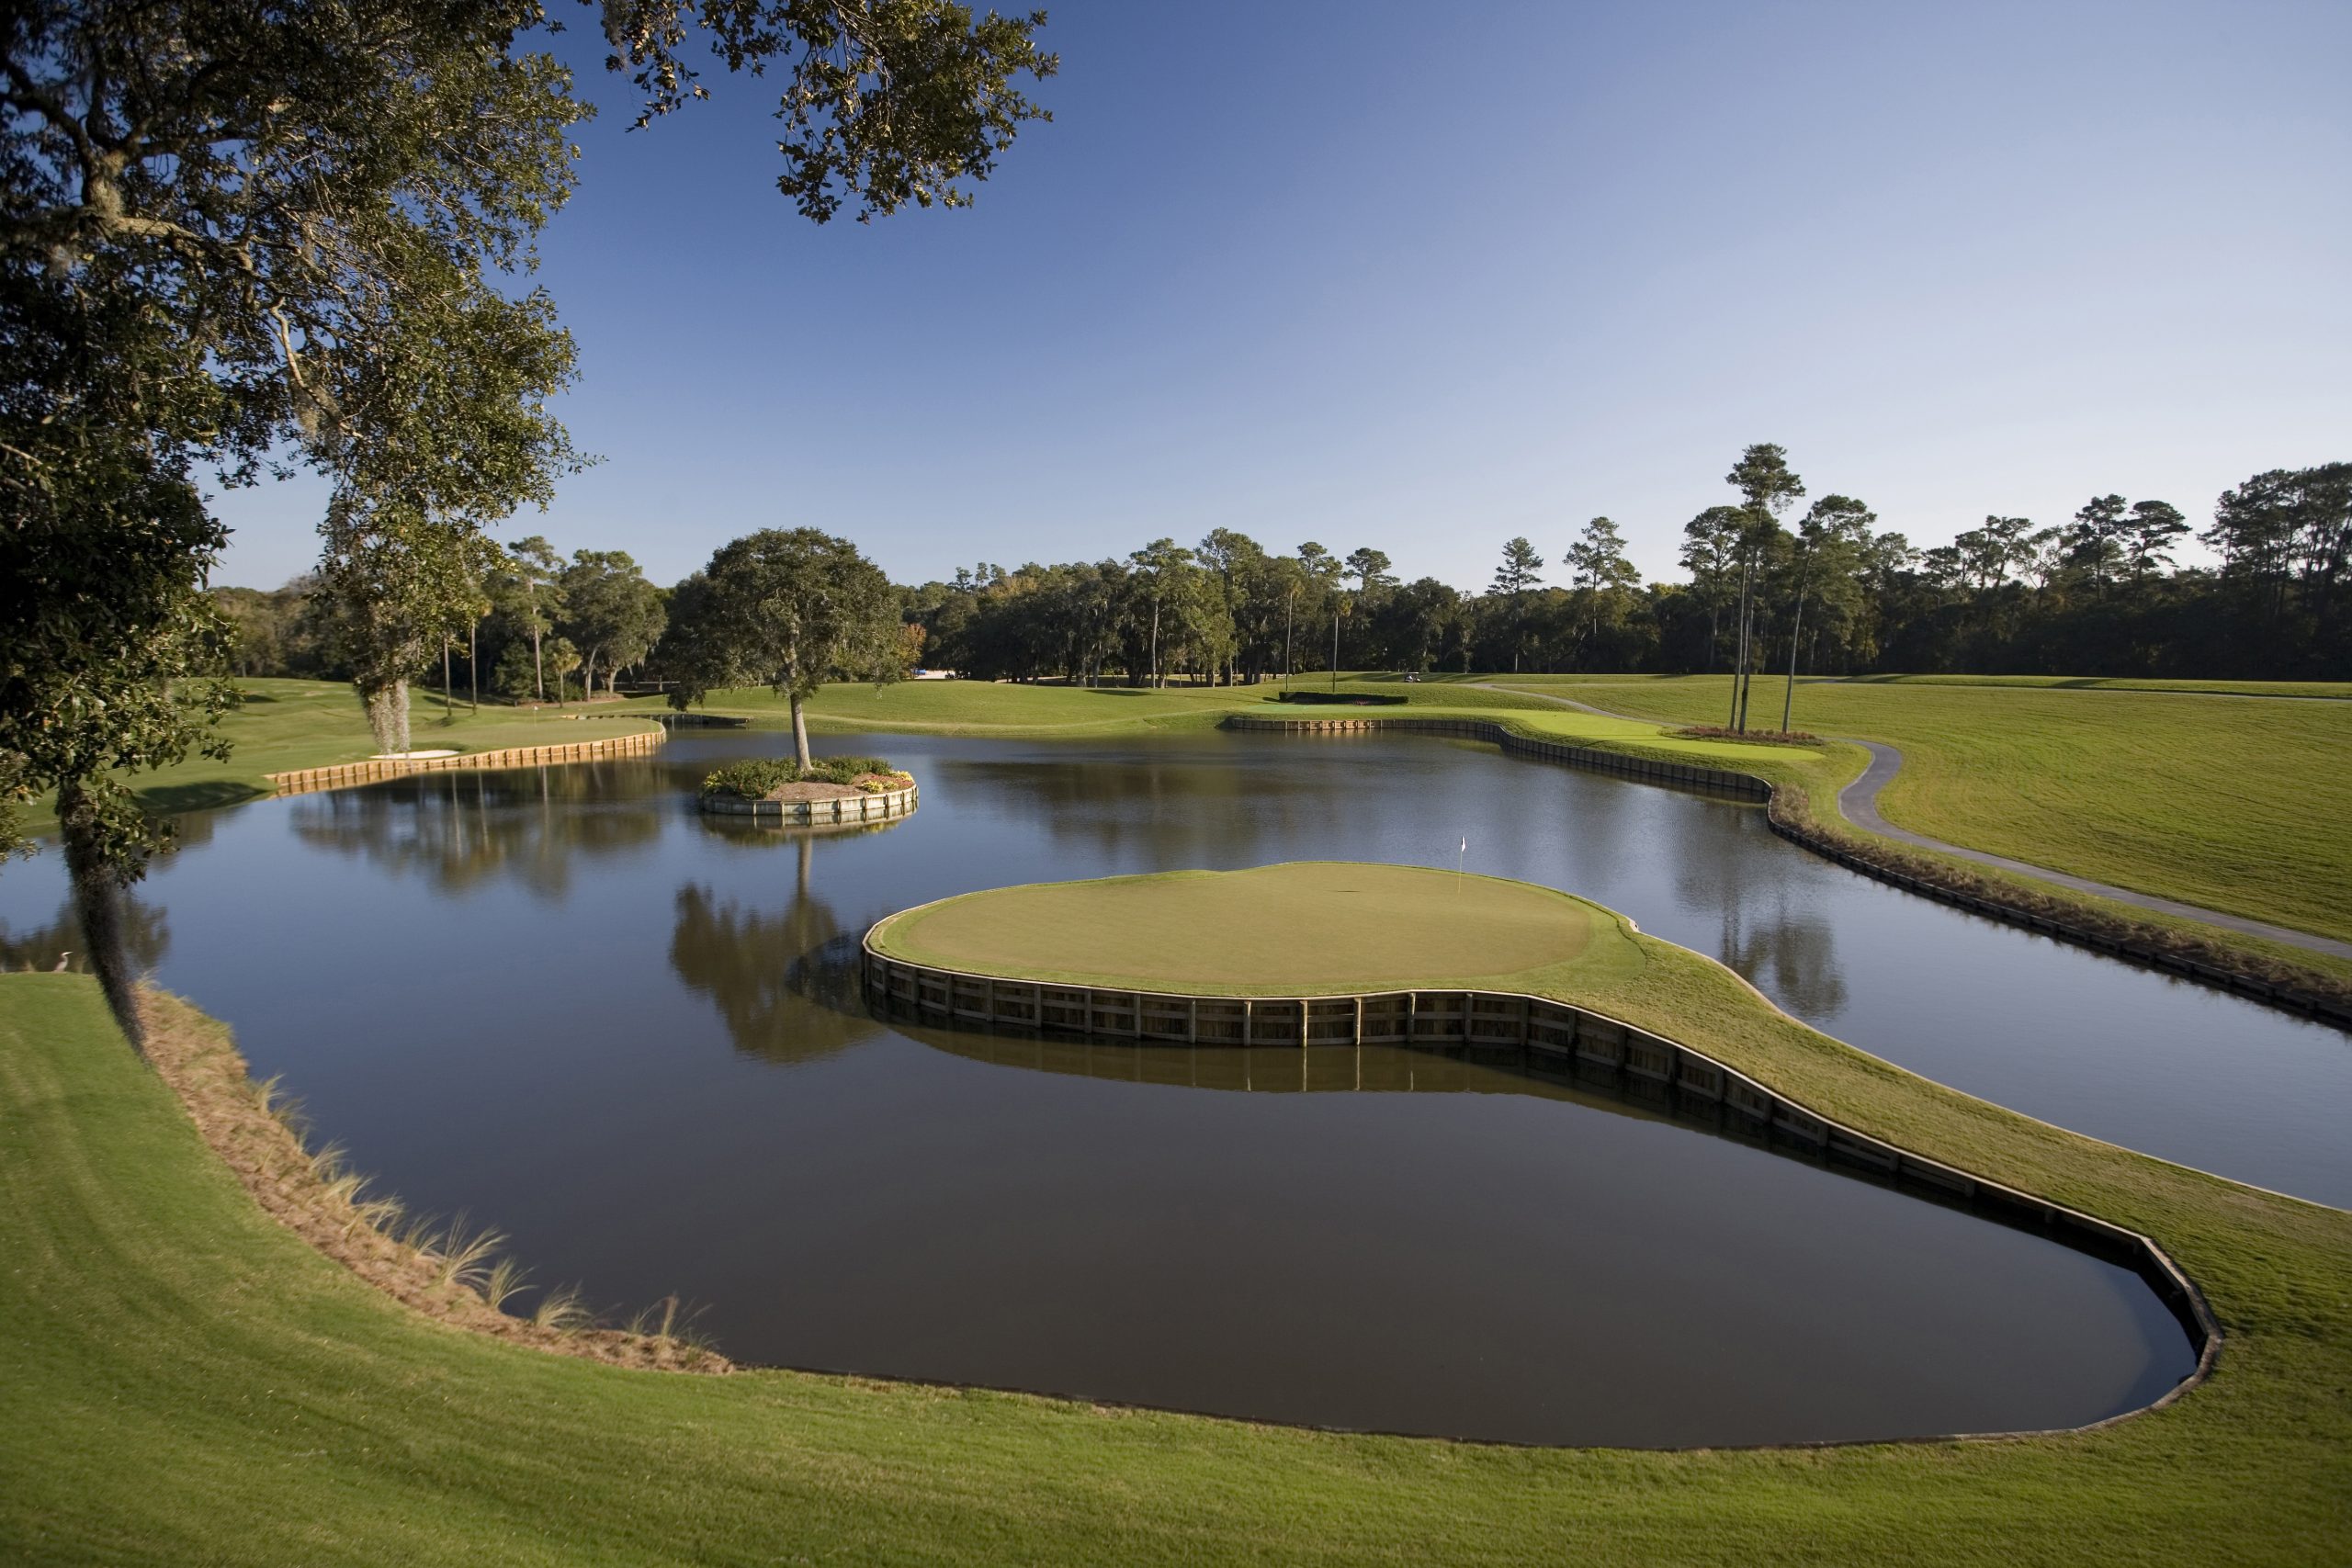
x: 303, y: 780
x: 1547, y: 1031
x: 1722, y: 781
x: 875, y: 807
x: 1747, y: 787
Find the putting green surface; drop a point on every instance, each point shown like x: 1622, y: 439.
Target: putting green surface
x: 1305, y: 928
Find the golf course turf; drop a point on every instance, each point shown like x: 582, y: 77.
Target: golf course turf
x: 1306, y: 928
x: 182, y: 1379
x: 2216, y: 797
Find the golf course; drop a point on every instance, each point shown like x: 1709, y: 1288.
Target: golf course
x: 842, y: 782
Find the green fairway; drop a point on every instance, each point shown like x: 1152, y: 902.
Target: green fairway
x: 1302, y: 928
x: 2215, y: 800
x: 985, y: 706
x: 183, y: 1381
x: 280, y: 726
x: 2334, y: 690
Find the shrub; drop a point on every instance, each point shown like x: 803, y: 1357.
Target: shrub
x: 1753, y: 737
x: 753, y: 780
x: 756, y: 779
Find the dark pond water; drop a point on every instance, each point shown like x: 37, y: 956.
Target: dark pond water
x: 628, y: 1035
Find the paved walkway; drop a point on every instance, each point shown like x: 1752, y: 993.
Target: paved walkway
x: 1859, y: 802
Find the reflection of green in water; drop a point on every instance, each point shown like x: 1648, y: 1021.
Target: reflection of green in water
x: 1498, y: 1069
x: 1267, y: 1069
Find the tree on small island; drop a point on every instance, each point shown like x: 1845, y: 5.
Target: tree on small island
x: 784, y: 609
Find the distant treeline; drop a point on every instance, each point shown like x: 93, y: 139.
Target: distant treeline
x: 2100, y: 594
x: 539, y: 627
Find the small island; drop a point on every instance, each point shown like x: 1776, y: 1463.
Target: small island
x: 1303, y: 928
x: 829, y: 789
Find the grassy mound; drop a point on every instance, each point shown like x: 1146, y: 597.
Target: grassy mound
x: 1299, y: 929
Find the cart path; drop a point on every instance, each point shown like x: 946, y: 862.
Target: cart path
x: 1859, y: 803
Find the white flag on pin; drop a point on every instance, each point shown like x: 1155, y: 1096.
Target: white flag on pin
x: 1466, y: 844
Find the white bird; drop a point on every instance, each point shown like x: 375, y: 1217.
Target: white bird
x: 62, y: 957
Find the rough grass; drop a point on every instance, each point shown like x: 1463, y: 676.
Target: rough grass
x: 184, y: 1380
x: 284, y: 725
x: 1303, y: 928
x: 2214, y: 800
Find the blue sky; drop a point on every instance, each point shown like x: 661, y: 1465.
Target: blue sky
x: 1424, y: 277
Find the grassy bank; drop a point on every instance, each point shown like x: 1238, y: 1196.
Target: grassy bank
x: 280, y: 726
x: 2212, y: 799
x: 182, y: 1379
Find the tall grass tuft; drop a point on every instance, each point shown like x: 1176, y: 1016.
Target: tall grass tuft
x: 463, y: 1256
x: 380, y: 1214
x: 268, y: 1093
x: 504, y: 1279
x: 564, y: 1310
x: 417, y: 1235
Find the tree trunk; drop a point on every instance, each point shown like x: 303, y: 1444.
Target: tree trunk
x: 1739, y: 645
x: 799, y: 733
x: 538, y: 671
x: 473, y: 667
x: 448, y: 702
x: 1154, y: 644
x: 1796, y: 626
x: 387, y: 714
x: 98, y: 905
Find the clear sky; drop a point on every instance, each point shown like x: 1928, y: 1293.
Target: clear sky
x: 1426, y: 277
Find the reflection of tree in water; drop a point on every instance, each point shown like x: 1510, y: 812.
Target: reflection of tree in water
x: 1782, y: 950
x: 787, y: 984
x: 753, y: 833
x: 1181, y: 809
x: 459, y: 829
x: 1788, y: 958
x: 145, y: 935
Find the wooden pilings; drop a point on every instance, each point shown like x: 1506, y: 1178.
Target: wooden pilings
x: 877, y: 806
x: 1747, y: 786
x: 303, y: 780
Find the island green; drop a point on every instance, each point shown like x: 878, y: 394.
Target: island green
x: 1305, y: 928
